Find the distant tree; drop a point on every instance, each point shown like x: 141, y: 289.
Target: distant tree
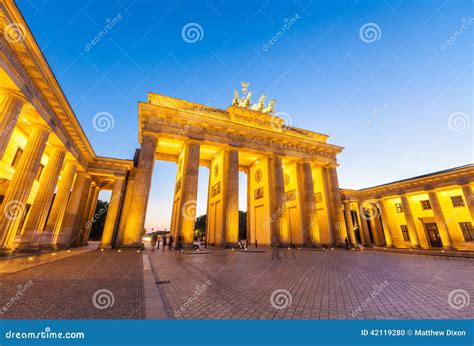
x: 200, y: 225
x: 242, y: 224
x: 98, y: 220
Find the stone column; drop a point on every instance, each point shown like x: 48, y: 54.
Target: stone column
x: 38, y: 213
x: 375, y: 224
x: 249, y: 226
x: 231, y: 190
x: 279, y: 223
x: 112, y: 213
x: 469, y: 199
x: 11, y: 103
x: 385, y: 223
x: 440, y: 221
x: 187, y: 210
x: 74, y: 211
x: 137, y: 212
x: 56, y: 215
x: 340, y: 232
x: 79, y: 235
x: 328, y: 204
x: 415, y: 242
x: 91, y: 217
x: 125, y: 208
x: 349, y: 223
x: 363, y: 224
x: 15, y: 199
x: 309, y: 217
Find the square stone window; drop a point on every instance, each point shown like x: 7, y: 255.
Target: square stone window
x: 457, y: 201
x: 425, y: 204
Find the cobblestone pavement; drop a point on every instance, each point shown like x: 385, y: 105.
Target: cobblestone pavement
x: 315, y: 285
x: 92, y: 285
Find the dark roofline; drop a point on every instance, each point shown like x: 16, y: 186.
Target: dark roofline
x: 420, y: 176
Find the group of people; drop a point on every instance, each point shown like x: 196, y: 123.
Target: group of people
x: 167, y: 241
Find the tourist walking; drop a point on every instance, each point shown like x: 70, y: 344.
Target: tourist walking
x: 153, y: 242
x: 276, y: 248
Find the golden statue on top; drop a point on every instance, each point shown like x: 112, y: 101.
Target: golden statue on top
x: 245, y: 102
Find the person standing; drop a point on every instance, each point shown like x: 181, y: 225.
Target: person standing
x: 164, y: 242
x: 153, y: 242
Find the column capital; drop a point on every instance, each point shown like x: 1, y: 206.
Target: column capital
x: 43, y: 127
x: 13, y: 93
x: 56, y: 147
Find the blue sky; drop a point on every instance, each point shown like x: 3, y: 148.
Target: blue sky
x: 400, y: 102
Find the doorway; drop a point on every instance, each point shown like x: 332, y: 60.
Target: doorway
x: 433, y: 235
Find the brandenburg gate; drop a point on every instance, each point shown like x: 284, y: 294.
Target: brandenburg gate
x: 293, y: 195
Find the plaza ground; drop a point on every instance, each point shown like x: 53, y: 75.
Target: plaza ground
x: 226, y: 284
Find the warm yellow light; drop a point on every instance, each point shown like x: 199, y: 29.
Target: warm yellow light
x: 119, y: 250
x: 53, y: 254
x: 30, y: 258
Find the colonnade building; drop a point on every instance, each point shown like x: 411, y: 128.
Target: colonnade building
x: 50, y: 176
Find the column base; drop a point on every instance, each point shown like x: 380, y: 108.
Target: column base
x: 48, y: 247
x: 449, y: 248
x: 6, y: 251
x: 26, y: 248
x: 104, y: 246
x: 130, y: 246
